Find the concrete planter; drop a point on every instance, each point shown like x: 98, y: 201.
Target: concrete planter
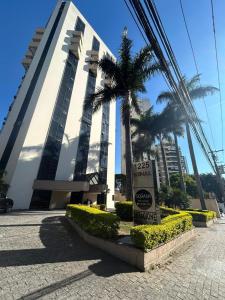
x: 204, y: 224
x: 133, y: 256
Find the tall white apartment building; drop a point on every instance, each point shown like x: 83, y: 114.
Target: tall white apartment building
x: 54, y: 151
x: 171, y: 161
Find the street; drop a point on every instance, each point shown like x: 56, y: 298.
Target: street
x: 41, y: 257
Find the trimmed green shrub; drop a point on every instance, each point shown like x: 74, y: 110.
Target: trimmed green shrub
x: 148, y: 237
x: 124, y: 210
x: 201, y: 215
x: 98, y: 206
x: 94, y: 221
x: 166, y: 211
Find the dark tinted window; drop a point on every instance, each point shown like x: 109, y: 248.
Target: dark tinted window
x: 95, y: 44
x: 85, y: 130
x: 50, y: 157
x: 80, y: 26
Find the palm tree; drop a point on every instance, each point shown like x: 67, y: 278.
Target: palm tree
x: 128, y: 76
x: 157, y: 127
x: 142, y: 148
x: 195, y: 91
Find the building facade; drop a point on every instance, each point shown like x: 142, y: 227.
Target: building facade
x: 53, y: 151
x: 171, y: 161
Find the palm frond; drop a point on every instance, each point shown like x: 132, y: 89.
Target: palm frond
x: 103, y: 95
x: 166, y: 96
x: 193, y: 82
x: 151, y: 70
x: 110, y: 68
x: 135, y: 122
x: 202, y: 91
x: 134, y: 103
x: 144, y: 56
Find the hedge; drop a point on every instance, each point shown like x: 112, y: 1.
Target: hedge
x: 148, y: 237
x: 166, y: 211
x: 201, y: 215
x: 124, y: 210
x: 94, y: 221
x: 99, y: 206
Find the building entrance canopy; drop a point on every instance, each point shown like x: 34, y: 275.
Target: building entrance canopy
x: 68, y: 186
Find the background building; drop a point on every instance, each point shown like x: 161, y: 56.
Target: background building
x: 171, y: 161
x: 144, y: 106
x: 50, y: 146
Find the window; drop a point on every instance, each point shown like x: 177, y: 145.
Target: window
x: 85, y: 130
x: 95, y: 44
x: 80, y: 26
x: 50, y: 157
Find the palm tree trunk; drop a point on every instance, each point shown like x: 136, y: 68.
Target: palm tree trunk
x: 129, y: 154
x: 182, y: 184
x: 195, y: 168
x: 164, y: 163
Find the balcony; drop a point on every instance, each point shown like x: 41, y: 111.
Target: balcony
x: 76, y: 43
x: 40, y: 30
x: 94, y: 55
x: 32, y: 47
x: 34, y: 44
x: 26, y: 62
x: 92, y: 60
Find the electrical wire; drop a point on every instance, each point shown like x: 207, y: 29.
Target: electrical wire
x: 142, y: 34
x: 196, y: 67
x: 218, y: 72
x: 181, y: 92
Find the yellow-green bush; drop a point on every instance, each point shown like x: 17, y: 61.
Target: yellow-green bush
x: 148, y: 237
x: 201, y: 215
x: 98, y: 206
x: 94, y: 221
x: 124, y: 210
x: 166, y: 211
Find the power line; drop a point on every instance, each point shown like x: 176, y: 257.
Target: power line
x: 196, y: 67
x: 218, y: 72
x: 181, y: 92
x: 135, y: 21
x: 142, y: 34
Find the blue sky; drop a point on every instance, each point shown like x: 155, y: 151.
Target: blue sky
x: 18, y: 20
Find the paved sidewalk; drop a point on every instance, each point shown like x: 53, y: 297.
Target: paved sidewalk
x: 42, y: 258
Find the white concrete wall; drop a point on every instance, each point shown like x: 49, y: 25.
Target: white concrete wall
x: 26, y: 156
x: 19, y: 101
x: 211, y: 204
x: 37, y: 119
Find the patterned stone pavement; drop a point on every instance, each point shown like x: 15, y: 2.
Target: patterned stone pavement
x: 41, y: 257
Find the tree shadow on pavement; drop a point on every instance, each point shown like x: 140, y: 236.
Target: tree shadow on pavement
x: 62, y: 244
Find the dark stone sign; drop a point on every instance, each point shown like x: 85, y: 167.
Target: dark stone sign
x: 146, y: 208
x: 143, y: 199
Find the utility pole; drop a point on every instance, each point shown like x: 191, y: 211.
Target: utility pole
x: 218, y: 174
